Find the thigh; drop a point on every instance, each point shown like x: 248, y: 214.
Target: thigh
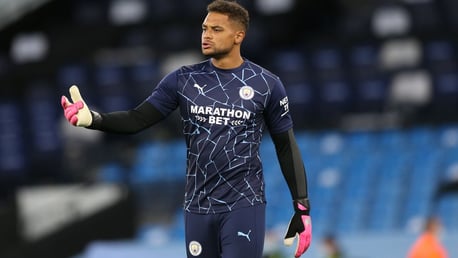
x: 201, y: 235
x: 242, y: 233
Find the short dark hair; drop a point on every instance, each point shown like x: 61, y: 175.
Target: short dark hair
x: 232, y: 9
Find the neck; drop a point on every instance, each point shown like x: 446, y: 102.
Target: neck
x: 227, y: 62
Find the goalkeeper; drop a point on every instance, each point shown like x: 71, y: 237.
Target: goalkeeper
x: 226, y: 103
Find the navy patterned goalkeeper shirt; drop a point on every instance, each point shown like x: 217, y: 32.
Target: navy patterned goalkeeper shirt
x: 224, y: 114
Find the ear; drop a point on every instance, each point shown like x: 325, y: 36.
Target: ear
x: 239, y: 36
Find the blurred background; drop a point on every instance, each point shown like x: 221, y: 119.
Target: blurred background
x: 373, y: 90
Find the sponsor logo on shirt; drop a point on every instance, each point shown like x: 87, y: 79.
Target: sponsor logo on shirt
x: 245, y: 235
x: 246, y: 92
x: 195, y: 248
x: 284, y: 104
x: 220, y: 116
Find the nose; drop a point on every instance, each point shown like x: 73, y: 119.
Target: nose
x: 206, y: 34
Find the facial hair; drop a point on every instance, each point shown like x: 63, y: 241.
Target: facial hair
x: 218, y: 53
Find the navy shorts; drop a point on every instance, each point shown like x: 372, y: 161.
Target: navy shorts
x: 234, y: 234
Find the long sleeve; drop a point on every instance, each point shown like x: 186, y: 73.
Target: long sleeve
x: 291, y: 163
x: 127, y: 122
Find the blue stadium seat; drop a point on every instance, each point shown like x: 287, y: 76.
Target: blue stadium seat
x: 111, y: 88
x: 108, y: 75
x: 143, y: 76
x: 43, y: 118
x: 112, y: 172
x: 440, y: 55
x: 423, y: 137
x: 370, y: 85
x: 448, y: 136
x: 177, y: 226
x: 391, y: 140
x: 290, y: 66
x: 358, y: 188
x: 384, y: 214
x: 445, y: 94
x: 447, y: 210
x: 371, y: 94
x: 356, y: 210
x: 302, y: 104
x: 13, y: 156
x: 327, y: 64
x: 361, y: 176
x: 153, y: 162
x: 328, y: 184
x: 361, y: 141
x: 74, y: 73
x: 144, y: 73
x: 150, y: 164
x: 422, y: 183
x: 175, y: 151
x: 336, y: 99
x: 308, y: 143
x: 364, y: 61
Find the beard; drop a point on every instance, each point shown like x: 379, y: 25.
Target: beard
x: 216, y: 53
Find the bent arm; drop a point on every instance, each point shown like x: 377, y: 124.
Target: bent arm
x: 127, y: 122
x: 291, y: 163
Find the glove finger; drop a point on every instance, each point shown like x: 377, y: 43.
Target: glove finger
x: 75, y: 94
x: 288, y: 241
x: 74, y: 108
x: 74, y: 120
x: 79, y: 104
x: 64, y: 102
x: 305, y: 237
x: 294, y: 227
x: 302, y: 244
x: 70, y: 111
x: 291, y: 232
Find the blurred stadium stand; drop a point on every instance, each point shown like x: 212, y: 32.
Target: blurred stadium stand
x: 373, y: 88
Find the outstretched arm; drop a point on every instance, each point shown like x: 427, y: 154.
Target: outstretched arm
x: 125, y: 122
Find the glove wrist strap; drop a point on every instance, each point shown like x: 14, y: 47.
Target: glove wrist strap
x: 96, y: 120
x: 302, y: 206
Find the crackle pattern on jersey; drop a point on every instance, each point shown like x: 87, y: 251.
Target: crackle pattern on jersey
x: 224, y: 113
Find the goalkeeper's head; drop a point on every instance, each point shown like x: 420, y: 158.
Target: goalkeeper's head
x: 233, y: 10
x: 224, y: 29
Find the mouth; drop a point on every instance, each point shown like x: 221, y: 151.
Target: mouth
x: 206, y: 45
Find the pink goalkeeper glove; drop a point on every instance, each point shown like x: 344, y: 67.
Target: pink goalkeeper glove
x: 300, y: 226
x: 77, y: 113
